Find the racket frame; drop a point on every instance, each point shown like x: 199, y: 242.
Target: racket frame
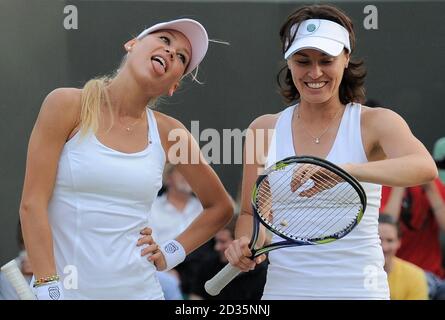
x: 289, y: 242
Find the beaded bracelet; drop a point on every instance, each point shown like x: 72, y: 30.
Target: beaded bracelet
x: 44, y: 280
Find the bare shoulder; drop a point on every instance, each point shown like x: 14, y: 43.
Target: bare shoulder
x: 266, y: 121
x: 62, y: 104
x: 375, y: 115
x: 382, y: 120
x: 171, y: 130
x: 166, y: 123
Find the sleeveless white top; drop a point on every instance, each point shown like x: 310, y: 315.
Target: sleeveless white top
x: 101, y: 201
x: 349, y: 268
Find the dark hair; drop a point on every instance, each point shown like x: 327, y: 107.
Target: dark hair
x: 386, y: 218
x: 352, y: 85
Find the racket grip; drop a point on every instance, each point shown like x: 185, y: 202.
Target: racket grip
x: 221, y: 279
x: 17, y: 280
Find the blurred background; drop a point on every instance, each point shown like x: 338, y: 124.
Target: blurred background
x: 404, y: 57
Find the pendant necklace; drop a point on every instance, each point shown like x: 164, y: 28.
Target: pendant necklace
x: 316, y: 139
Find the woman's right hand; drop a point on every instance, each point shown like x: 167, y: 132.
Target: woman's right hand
x: 238, y: 254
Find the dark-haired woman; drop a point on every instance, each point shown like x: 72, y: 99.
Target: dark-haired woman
x: 324, y: 84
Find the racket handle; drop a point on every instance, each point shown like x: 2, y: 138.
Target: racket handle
x: 221, y: 279
x: 17, y: 280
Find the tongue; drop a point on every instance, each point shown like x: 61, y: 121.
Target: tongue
x: 157, y: 66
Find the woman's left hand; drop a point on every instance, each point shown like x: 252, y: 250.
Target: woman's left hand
x: 323, y: 179
x: 151, y: 249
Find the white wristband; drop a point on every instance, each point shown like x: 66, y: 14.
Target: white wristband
x: 173, y: 252
x: 49, y: 291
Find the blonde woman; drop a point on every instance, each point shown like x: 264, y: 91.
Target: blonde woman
x: 95, y: 162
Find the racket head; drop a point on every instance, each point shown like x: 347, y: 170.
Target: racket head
x: 329, y: 212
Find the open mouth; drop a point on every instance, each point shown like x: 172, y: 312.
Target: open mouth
x: 316, y: 85
x: 161, y: 61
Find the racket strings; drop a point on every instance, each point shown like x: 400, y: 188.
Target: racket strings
x: 303, y: 217
x: 302, y: 213
x: 313, y: 227
x: 309, y: 227
x: 315, y: 221
x: 317, y: 230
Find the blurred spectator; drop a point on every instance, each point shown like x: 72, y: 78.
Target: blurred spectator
x: 246, y: 286
x: 439, y: 157
x: 7, y: 292
x: 406, y: 280
x: 421, y: 211
x: 170, y: 285
x: 172, y: 212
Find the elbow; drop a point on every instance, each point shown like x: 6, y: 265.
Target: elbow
x: 429, y: 172
x: 227, y: 210
x: 28, y: 209
x: 24, y: 211
x: 434, y: 174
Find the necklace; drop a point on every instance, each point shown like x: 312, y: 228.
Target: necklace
x: 317, y: 139
x: 129, y: 127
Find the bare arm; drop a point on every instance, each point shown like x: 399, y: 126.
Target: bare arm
x: 437, y: 202
x: 394, y: 205
x: 56, y: 120
x: 397, y: 157
x: 255, y: 149
x: 217, y: 204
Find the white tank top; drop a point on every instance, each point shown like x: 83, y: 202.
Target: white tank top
x: 350, y: 268
x: 101, y: 201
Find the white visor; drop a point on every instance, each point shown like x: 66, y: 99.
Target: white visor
x: 319, y: 34
x: 193, y: 31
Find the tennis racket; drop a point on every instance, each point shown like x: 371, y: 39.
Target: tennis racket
x: 17, y: 280
x: 304, y: 200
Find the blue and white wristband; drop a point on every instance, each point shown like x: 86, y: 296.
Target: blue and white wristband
x: 49, y: 291
x: 173, y: 252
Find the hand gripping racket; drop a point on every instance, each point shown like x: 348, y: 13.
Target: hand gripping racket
x: 304, y: 200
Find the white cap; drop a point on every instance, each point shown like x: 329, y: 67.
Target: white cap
x: 193, y: 31
x: 323, y: 35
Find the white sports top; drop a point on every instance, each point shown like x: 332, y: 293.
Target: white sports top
x: 101, y: 201
x: 349, y: 268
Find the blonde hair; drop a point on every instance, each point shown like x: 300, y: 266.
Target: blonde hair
x: 94, y: 93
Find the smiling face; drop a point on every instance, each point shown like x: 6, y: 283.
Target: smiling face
x: 159, y: 60
x: 316, y: 75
